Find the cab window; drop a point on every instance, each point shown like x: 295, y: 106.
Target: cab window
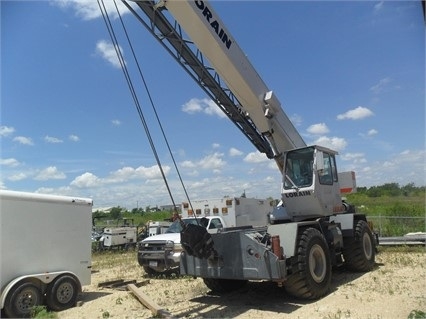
x: 215, y: 223
x: 328, y: 174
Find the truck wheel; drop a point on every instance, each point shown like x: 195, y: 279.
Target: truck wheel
x: 62, y: 293
x: 311, y: 267
x: 359, y: 252
x: 21, y: 299
x: 150, y: 272
x: 224, y: 285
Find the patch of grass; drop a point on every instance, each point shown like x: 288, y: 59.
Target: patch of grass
x: 417, y: 314
x: 41, y: 312
x: 389, y: 205
x: 392, y: 215
x: 402, y: 249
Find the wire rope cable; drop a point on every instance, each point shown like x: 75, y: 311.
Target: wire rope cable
x: 131, y: 87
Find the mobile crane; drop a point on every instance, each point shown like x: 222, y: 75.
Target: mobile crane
x: 313, y: 229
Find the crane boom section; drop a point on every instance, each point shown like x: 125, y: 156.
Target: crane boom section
x: 212, y: 38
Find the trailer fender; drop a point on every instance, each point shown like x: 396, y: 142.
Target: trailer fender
x: 39, y: 279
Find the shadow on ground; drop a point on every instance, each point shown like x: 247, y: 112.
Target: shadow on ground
x: 264, y: 296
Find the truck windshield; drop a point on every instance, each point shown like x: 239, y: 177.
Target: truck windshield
x: 299, y: 168
x: 177, y: 228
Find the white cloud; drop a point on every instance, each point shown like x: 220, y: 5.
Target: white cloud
x: 6, y: 130
x: 215, y: 145
x: 152, y: 172
x: 256, y: 157
x: 73, y: 138
x: 403, y: 168
x: 86, y: 180
x: 192, y: 106
x: 50, y: 172
x: 23, y: 140
x: 107, y: 51
x: 206, y: 106
x: 53, y: 140
x: 209, y: 162
x: 354, y: 157
x: 127, y: 173
x: 89, y: 9
x: 372, y: 132
x: 212, y: 161
x: 235, y: 152
x: 188, y: 164
x: 378, y: 6
x: 381, y: 86
x: 10, y: 162
x: 116, y: 122
x: 355, y: 114
x: 318, y: 129
x: 122, y: 175
x: 17, y: 177
x: 334, y: 143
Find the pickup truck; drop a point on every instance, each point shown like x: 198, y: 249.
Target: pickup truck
x: 160, y: 254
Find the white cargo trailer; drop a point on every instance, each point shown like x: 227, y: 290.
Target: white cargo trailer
x: 45, y: 251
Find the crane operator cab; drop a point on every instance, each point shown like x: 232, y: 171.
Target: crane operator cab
x: 310, y: 187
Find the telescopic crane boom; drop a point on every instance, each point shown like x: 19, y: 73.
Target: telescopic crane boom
x: 231, y: 80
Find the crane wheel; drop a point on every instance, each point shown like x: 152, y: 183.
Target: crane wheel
x: 311, y: 266
x: 359, y: 251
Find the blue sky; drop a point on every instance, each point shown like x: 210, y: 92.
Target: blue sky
x: 350, y: 75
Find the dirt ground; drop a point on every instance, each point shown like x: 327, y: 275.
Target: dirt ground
x: 394, y: 289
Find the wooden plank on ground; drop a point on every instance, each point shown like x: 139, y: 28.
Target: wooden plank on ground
x: 156, y: 310
x: 122, y: 283
x: 111, y: 282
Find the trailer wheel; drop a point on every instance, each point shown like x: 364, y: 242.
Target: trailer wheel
x: 21, y: 299
x: 224, y: 285
x: 359, y: 252
x: 62, y: 293
x: 311, y: 267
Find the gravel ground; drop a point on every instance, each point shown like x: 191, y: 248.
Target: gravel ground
x: 394, y: 289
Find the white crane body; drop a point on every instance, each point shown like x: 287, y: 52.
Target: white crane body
x: 312, y: 228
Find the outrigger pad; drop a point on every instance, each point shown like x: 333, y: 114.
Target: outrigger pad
x: 196, y: 241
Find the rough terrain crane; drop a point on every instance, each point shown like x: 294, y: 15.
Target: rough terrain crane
x: 313, y: 229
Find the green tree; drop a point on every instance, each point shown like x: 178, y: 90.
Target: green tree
x: 408, y: 189
x: 390, y: 189
x: 374, y: 191
x: 116, y: 212
x: 137, y: 211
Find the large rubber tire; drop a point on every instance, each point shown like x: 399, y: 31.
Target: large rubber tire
x: 224, y: 285
x: 21, y: 299
x: 62, y: 293
x: 359, y: 251
x: 149, y: 271
x: 311, y: 267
